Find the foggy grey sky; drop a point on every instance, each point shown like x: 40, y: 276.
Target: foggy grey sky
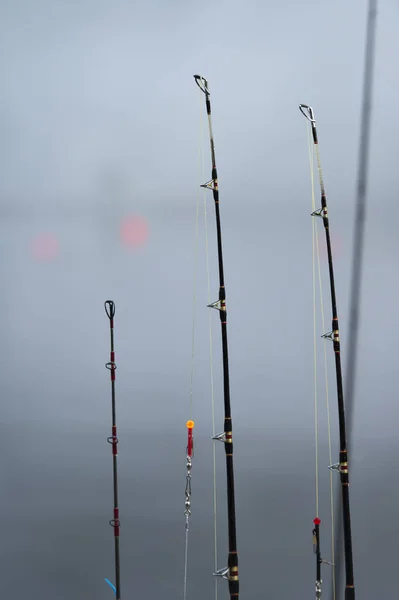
x: 92, y: 90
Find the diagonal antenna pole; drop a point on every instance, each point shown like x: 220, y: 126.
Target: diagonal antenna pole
x: 231, y: 571
x: 357, y: 261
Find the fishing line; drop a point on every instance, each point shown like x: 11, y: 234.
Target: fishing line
x: 316, y: 259
x: 190, y: 423
x: 197, y: 204
x: 212, y: 381
x: 331, y: 483
x: 316, y: 419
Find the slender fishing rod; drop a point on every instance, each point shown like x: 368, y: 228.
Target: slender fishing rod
x: 113, y: 440
x: 317, y: 551
x: 333, y: 335
x: 230, y: 572
x: 357, y: 260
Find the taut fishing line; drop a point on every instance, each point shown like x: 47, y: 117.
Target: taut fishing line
x: 212, y: 382
x: 190, y: 422
x: 316, y: 267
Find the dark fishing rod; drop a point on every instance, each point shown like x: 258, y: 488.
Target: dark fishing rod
x: 317, y: 551
x: 231, y: 571
x: 113, y: 440
x: 357, y: 260
x: 333, y: 335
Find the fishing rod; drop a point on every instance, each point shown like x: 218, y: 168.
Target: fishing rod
x: 317, y: 551
x: 333, y: 335
x: 113, y: 440
x: 230, y: 573
x: 358, y: 244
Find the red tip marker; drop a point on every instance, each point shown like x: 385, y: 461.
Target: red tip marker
x: 190, y: 427
x: 316, y: 521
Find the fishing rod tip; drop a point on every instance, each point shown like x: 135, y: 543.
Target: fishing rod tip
x: 307, y: 112
x: 202, y: 84
x: 190, y: 424
x: 317, y: 521
x: 109, y: 306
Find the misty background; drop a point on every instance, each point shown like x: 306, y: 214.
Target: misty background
x: 100, y: 120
